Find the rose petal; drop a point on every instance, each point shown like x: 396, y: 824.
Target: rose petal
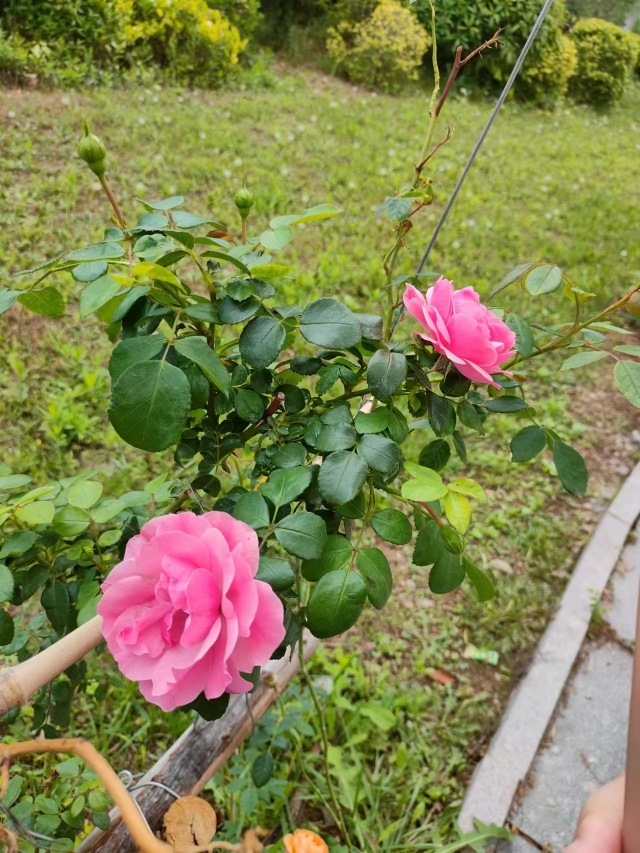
x: 181, y: 603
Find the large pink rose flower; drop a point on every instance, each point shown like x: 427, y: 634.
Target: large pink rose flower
x: 462, y: 329
x: 183, y: 613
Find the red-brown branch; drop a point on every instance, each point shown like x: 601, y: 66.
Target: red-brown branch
x: 459, y: 63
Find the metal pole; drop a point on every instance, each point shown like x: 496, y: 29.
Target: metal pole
x: 631, y: 819
x: 498, y: 105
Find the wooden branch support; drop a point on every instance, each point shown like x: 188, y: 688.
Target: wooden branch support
x: 18, y: 683
x: 195, y: 757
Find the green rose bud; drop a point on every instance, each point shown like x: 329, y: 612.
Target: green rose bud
x: 91, y: 149
x: 244, y: 201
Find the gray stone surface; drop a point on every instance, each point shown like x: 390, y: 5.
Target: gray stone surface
x: 625, y: 584
x: 585, y: 748
x: 531, y: 708
x: 625, y: 505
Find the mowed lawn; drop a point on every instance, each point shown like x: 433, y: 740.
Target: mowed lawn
x: 561, y: 187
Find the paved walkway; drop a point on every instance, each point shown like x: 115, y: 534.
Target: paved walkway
x: 586, y: 743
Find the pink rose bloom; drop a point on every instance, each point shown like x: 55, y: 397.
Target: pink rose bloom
x: 462, y: 329
x: 183, y: 613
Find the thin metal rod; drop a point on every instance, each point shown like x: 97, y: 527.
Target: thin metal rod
x: 631, y: 819
x: 498, y: 106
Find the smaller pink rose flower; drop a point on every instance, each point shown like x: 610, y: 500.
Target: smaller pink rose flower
x: 473, y: 338
x: 183, y: 612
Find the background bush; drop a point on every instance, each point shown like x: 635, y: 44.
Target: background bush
x: 79, y: 41
x: 636, y: 68
x: 546, y: 80
x: 469, y: 23
x: 610, y: 10
x: 14, y: 57
x: 245, y: 15
x: 186, y: 38
x: 606, y: 57
x: 383, y: 51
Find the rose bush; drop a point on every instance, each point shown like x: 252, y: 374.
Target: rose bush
x: 288, y: 431
x: 183, y: 613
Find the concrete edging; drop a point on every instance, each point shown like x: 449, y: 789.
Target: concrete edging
x: 514, y: 746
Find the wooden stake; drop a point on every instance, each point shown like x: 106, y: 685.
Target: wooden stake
x: 631, y: 820
x: 18, y: 683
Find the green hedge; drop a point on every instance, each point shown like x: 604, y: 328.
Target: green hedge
x: 607, y: 56
x: 83, y: 41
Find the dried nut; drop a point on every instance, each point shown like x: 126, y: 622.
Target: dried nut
x: 189, y: 821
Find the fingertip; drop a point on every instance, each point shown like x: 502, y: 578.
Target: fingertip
x: 596, y: 838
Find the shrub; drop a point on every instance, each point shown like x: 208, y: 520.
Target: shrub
x: 14, y: 57
x: 352, y: 11
x: 383, y: 51
x: 84, y: 39
x: 606, y: 57
x: 636, y: 37
x: 546, y: 81
x: 468, y: 23
x: 610, y: 10
x: 245, y: 15
x: 185, y: 37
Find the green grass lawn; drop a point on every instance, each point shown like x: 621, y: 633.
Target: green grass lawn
x: 562, y: 187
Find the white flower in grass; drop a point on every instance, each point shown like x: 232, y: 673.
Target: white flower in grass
x: 227, y: 173
x: 237, y: 161
x: 624, y: 253
x: 202, y: 134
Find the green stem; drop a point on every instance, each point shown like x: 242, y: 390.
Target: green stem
x: 559, y: 342
x: 421, y: 504
x: 342, y: 826
x: 392, y: 257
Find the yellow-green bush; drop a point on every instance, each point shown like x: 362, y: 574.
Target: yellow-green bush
x: 607, y: 55
x: 245, y: 15
x: 187, y: 38
x: 636, y: 68
x: 384, y: 51
x: 14, y: 57
x: 546, y: 80
x: 78, y: 41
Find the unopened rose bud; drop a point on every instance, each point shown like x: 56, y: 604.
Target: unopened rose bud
x: 633, y: 305
x: 269, y: 679
x: 244, y: 201
x: 91, y: 149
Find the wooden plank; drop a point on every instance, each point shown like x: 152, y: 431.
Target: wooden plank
x: 194, y: 758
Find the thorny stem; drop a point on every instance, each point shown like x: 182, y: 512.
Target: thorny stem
x: 560, y: 341
x: 435, y: 108
x: 120, y: 218
x: 459, y: 63
x: 422, y: 504
x: 113, y: 202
